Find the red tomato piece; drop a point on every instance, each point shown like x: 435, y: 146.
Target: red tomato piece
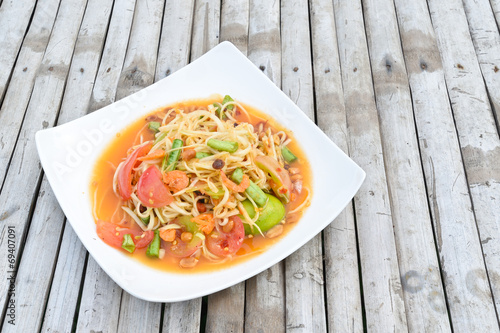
x: 112, y: 235
x: 151, y: 190
x: 223, y: 244
x: 125, y: 174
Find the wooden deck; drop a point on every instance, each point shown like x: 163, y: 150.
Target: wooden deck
x: 409, y: 89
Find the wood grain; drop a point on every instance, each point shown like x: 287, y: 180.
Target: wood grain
x: 14, y: 20
x: 453, y: 219
x: 383, y: 295
x: 342, y: 285
x: 18, y: 197
x: 410, y: 212
x: 265, y: 292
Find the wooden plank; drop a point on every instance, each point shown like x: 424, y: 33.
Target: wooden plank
x: 98, y: 312
x: 182, y: 316
x: 65, y: 289
x: 140, y: 62
x: 138, y: 72
x: 460, y: 255
x: 206, y: 27
x: 305, y: 310
x: 495, y: 6
x: 343, y: 298
x: 35, y: 270
x: 383, y: 296
x: 42, y: 243
x: 14, y: 20
x: 234, y: 23
x: 69, y: 272
x: 226, y: 309
x: 21, y: 84
x: 265, y: 292
x: 478, y: 139
x: 410, y: 212
x: 137, y: 315
x: 264, y: 38
x: 113, y: 56
x: 17, y: 196
x: 175, y: 40
x: 484, y: 33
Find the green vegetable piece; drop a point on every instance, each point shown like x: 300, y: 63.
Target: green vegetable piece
x: 288, y: 155
x: 253, y: 190
x: 272, y: 214
x: 154, y: 126
x: 215, y: 195
x: 170, y: 161
x: 154, y: 247
x: 185, y: 220
x: 128, y: 243
x: 226, y: 99
x: 202, y: 155
x: 145, y: 220
x: 160, y: 137
x: 229, y: 146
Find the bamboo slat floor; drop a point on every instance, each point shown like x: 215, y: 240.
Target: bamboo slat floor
x: 408, y: 89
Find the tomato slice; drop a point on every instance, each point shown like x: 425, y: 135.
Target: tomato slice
x: 125, y: 174
x: 223, y: 244
x: 112, y: 235
x: 180, y: 249
x: 151, y: 190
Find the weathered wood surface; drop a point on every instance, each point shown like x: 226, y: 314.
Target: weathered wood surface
x: 343, y: 297
x: 409, y: 89
x: 410, y: 212
x: 383, y: 296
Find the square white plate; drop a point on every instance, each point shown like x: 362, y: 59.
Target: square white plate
x: 68, y: 154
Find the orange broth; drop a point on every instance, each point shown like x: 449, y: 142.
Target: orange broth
x: 107, y: 205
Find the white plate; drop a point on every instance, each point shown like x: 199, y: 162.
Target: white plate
x: 68, y: 154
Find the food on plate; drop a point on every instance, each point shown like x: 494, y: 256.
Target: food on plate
x: 199, y: 183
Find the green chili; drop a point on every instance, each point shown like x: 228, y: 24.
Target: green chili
x: 154, y: 247
x: 170, y: 161
x: 253, y: 190
x: 128, y: 243
x: 229, y: 146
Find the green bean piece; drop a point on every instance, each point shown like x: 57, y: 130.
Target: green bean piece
x: 253, y: 190
x: 170, y: 161
x: 154, y: 126
x: 160, y: 137
x: 201, y: 155
x: 154, y: 247
x: 145, y: 220
x: 128, y: 243
x: 229, y: 146
x: 226, y: 99
x: 288, y: 155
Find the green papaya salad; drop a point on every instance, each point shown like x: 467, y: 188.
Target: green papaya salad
x: 197, y: 181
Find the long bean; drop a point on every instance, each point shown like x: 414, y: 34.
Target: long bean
x: 229, y: 146
x: 170, y: 161
x: 253, y: 190
x: 201, y: 155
